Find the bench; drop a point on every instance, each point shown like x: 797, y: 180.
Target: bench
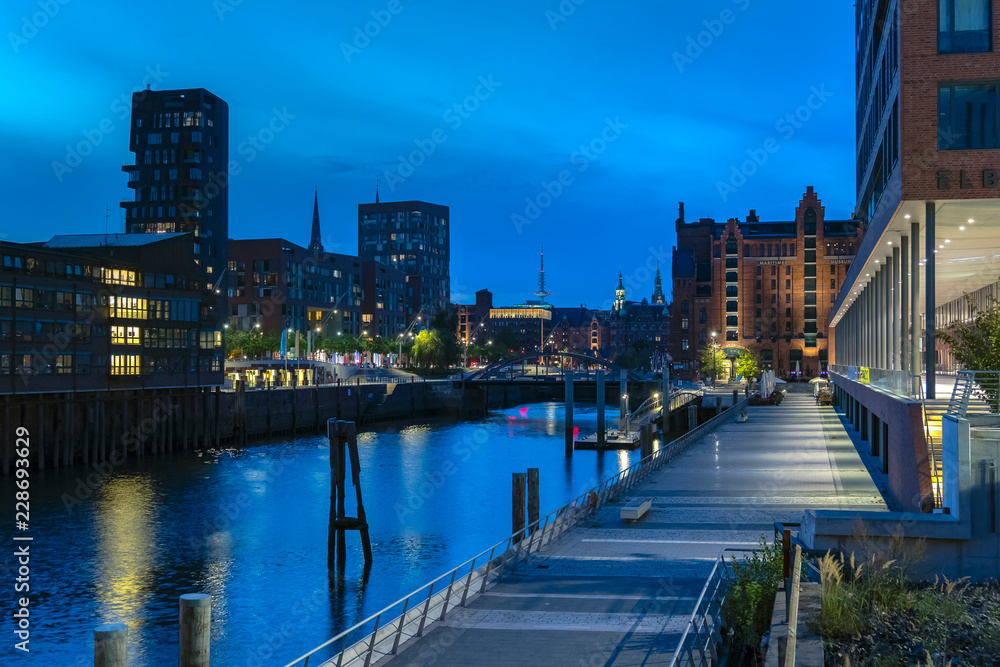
x: 636, y: 508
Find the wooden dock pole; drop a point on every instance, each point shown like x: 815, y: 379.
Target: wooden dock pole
x: 344, y: 443
x: 601, y: 428
x: 111, y: 645
x: 519, y: 481
x: 195, y: 629
x: 692, y: 417
x: 533, y: 499
x: 569, y: 412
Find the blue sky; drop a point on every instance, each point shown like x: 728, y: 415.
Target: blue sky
x: 577, y: 125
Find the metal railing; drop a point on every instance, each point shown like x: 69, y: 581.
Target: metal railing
x: 371, y: 640
x: 975, y: 392
x: 894, y: 382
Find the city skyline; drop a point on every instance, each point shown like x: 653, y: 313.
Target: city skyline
x: 666, y: 97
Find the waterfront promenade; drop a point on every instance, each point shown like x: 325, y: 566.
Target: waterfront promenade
x: 611, y: 593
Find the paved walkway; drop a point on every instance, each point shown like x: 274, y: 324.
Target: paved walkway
x: 610, y: 593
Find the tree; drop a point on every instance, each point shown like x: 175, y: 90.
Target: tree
x: 748, y: 364
x: 445, y: 323
x: 713, y: 360
x: 976, y: 341
x: 428, y: 349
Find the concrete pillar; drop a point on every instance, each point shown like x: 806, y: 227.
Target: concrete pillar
x: 887, y: 311
x: 623, y: 381
x: 896, y: 328
x: 195, y: 630
x: 930, y: 353
x: 915, y: 298
x: 904, y: 303
x: 692, y: 417
x: 111, y: 645
x: 569, y: 412
x: 601, y: 428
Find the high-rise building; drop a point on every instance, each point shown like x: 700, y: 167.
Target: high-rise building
x: 928, y: 159
x: 180, y: 139
x: 413, y: 237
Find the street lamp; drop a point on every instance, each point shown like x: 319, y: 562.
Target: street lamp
x: 715, y: 359
x: 628, y: 415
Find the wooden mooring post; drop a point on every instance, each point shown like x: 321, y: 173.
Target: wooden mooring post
x: 519, y: 481
x: 569, y: 412
x: 195, y: 630
x: 601, y: 428
x: 111, y: 645
x: 344, y: 443
x: 533, y: 499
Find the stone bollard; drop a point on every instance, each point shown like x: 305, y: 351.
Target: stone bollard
x: 111, y: 645
x: 195, y: 629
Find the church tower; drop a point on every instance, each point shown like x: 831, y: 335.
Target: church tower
x: 619, y: 306
x: 316, y: 242
x: 658, y: 297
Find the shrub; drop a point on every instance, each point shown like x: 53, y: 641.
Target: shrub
x: 750, y: 599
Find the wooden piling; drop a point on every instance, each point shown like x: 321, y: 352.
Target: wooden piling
x: 195, y: 629
x: 533, y: 499
x: 519, y: 482
x: 111, y: 645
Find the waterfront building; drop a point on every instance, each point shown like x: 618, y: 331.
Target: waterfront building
x: 928, y: 155
x: 763, y: 286
x: 639, y: 328
x: 473, y: 318
x: 579, y: 330
x: 526, y: 325
x: 180, y: 171
x: 412, y: 237
x: 100, y: 312
x: 277, y: 284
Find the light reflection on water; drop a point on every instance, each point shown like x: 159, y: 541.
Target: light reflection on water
x: 249, y: 527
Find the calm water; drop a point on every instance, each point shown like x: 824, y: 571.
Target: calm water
x: 249, y: 527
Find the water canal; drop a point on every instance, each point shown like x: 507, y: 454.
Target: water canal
x: 249, y: 527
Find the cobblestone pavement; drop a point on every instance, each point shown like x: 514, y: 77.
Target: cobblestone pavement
x: 616, y: 593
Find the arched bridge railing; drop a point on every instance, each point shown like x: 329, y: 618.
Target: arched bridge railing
x: 526, y: 366
x: 652, y: 408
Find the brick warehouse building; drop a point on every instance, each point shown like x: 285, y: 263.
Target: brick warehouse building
x: 764, y: 286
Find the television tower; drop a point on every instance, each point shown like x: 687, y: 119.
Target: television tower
x: 541, y: 293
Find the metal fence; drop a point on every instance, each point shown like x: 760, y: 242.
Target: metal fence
x: 373, y: 638
x: 975, y: 392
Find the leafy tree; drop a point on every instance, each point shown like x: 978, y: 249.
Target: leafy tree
x: 976, y: 342
x: 713, y: 360
x: 236, y: 341
x: 748, y: 364
x: 428, y: 349
x: 445, y: 323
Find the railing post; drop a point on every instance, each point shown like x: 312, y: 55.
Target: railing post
x: 427, y: 607
x: 486, y: 573
x: 402, y: 622
x: 447, y: 595
x: 468, y: 582
x: 371, y: 642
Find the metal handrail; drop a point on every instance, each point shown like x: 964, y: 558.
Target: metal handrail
x: 518, y: 547
x: 980, y: 393
x: 937, y: 492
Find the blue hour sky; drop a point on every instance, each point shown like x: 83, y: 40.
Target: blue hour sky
x: 577, y: 124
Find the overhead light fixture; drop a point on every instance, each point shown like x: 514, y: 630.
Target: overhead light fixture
x: 961, y: 229
x: 907, y: 216
x: 947, y: 241
x: 890, y: 242
x: 971, y: 221
x: 940, y: 246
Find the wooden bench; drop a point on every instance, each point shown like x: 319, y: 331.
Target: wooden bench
x: 636, y: 508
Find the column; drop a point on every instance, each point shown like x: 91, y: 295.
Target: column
x: 877, y: 312
x: 904, y: 302
x: 930, y: 353
x: 914, y: 298
x: 896, y: 328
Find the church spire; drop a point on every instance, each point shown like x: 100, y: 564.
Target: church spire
x: 316, y: 242
x: 658, y: 297
x: 620, y: 293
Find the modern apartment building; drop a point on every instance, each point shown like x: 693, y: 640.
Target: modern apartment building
x: 180, y: 178
x: 413, y: 237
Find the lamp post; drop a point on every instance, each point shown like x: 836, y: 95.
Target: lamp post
x: 628, y: 415
x: 402, y: 336
x: 465, y: 355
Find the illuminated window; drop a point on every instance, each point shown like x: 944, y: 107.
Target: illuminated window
x: 118, y: 277
x: 131, y: 307
x: 125, y: 364
x: 24, y: 297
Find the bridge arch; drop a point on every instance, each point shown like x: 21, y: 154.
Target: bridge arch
x: 503, y: 370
